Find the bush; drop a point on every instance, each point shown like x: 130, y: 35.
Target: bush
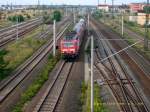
x: 16, y: 18
x: 3, y: 65
x: 131, y: 23
x: 47, y: 19
x: 98, y: 14
x: 28, y: 16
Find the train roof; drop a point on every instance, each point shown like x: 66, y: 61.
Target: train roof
x: 82, y: 20
x: 70, y: 35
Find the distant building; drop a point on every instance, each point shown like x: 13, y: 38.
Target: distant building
x: 103, y: 7
x: 114, y: 8
x: 119, y: 8
x: 141, y: 17
x: 134, y: 7
x: 124, y: 8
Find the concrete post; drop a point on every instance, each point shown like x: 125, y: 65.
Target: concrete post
x: 122, y: 26
x: 146, y: 28
x: 17, y: 28
x: 92, y: 86
x: 88, y: 24
x: 74, y: 15
x: 54, y: 37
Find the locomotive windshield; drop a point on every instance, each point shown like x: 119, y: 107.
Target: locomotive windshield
x: 68, y: 44
x: 68, y: 37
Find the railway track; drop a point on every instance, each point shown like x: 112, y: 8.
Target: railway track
x: 49, y: 29
x: 14, y: 26
x: 5, y: 38
x: 125, y: 92
x: 136, y: 65
x: 11, y: 83
x: 141, y: 63
x: 21, y: 27
x: 50, y: 98
x: 13, y: 29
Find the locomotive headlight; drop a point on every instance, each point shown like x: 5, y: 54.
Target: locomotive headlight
x: 64, y: 49
x: 73, y: 50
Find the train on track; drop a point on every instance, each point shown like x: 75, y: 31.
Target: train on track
x: 70, y: 44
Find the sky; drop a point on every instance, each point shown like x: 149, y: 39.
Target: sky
x: 68, y: 2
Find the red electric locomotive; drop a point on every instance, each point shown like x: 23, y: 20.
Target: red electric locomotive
x: 70, y: 44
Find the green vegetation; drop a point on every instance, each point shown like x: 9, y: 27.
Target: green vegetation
x: 88, y: 50
x: 137, y: 29
x: 28, y: 16
x: 130, y: 23
x: 138, y: 47
x: 98, y: 14
x: 85, y: 99
x: 18, y: 52
x: 37, y: 84
x: 1, y: 13
x: 5, y: 23
x: 147, y: 9
x: 21, y: 50
x: 56, y: 15
x: 48, y: 19
x: 16, y: 18
x: 83, y: 93
x: 3, y: 64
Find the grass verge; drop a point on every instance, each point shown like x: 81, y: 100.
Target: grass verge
x: 37, y: 84
x: 85, y: 99
x: 20, y: 50
x: 5, y: 23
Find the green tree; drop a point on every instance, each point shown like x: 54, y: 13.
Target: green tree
x: 14, y: 18
x: 56, y: 15
x: 98, y: 14
x: 20, y: 18
x: 146, y: 9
